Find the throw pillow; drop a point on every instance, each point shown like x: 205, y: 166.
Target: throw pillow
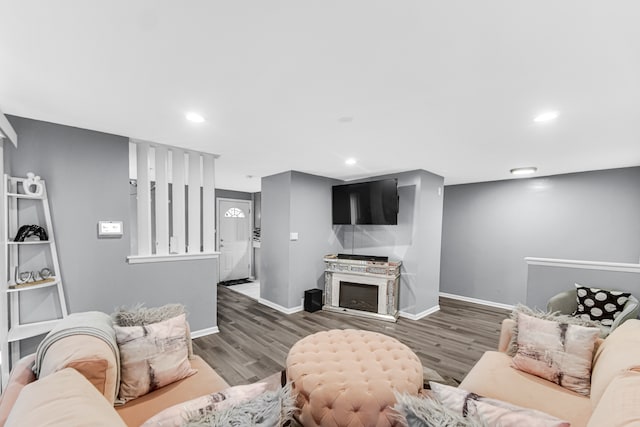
x: 494, y: 412
x: 554, y: 316
x: 558, y: 352
x: 152, y: 356
x: 600, y: 305
x: 271, y: 408
x: 414, y: 411
x: 139, y: 315
x: 176, y: 415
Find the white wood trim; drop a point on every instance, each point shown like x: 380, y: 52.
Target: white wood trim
x: 280, y: 308
x: 178, y: 204
x: 143, y: 200
x: 141, y: 259
x: 204, y: 332
x: 8, y: 131
x: 208, y: 204
x: 194, y: 183
x: 171, y: 147
x: 477, y: 301
x: 162, y: 201
x: 585, y: 265
x: 420, y: 315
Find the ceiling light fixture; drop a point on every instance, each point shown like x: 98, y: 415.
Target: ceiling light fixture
x: 194, y: 117
x: 351, y: 161
x: 524, y: 171
x: 546, y: 117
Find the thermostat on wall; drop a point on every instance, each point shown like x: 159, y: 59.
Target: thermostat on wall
x: 109, y: 229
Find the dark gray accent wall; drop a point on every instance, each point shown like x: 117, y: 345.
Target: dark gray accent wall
x: 415, y: 240
x: 299, y: 203
x: 86, y: 174
x: 490, y: 227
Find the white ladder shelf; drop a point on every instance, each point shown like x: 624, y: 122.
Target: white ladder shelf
x: 18, y: 207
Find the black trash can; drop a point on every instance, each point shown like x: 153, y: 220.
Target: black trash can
x: 313, y: 300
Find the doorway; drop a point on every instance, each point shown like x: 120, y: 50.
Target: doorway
x: 234, y: 220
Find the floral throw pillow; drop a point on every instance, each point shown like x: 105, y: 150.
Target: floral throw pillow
x: 492, y: 411
x: 152, y: 356
x: 600, y: 305
x: 558, y: 352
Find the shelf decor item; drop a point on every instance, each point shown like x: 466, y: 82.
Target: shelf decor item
x: 33, y: 185
x: 27, y: 231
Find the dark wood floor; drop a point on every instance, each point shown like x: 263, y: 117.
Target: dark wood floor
x: 254, y: 339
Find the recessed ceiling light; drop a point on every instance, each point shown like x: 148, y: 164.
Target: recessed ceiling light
x: 351, y: 161
x: 194, y: 117
x: 546, y: 117
x: 524, y: 171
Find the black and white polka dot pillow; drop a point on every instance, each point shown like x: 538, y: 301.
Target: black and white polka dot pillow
x: 600, y: 304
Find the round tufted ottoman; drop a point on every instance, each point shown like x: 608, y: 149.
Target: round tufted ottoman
x: 347, y: 377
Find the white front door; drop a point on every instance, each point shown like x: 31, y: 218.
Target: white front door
x: 234, y: 238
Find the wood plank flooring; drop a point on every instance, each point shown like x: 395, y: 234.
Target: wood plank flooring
x: 254, y: 339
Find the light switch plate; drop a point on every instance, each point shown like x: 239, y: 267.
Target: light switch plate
x: 293, y: 236
x: 110, y: 229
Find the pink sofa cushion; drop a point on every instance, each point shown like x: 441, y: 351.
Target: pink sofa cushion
x: 619, y: 406
x: 21, y: 375
x: 618, y: 353
x: 494, y: 377
x: 62, y: 399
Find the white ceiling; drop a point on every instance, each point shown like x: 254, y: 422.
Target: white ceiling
x: 447, y: 86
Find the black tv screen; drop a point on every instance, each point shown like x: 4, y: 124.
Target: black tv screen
x: 374, y: 202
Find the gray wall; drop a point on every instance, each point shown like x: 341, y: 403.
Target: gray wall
x: 490, y: 227
x: 86, y: 174
x: 232, y: 194
x: 311, y: 219
x: 415, y: 240
x: 276, y: 216
x: 294, y: 202
x: 543, y: 282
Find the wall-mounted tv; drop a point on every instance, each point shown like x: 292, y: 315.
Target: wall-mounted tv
x: 374, y: 202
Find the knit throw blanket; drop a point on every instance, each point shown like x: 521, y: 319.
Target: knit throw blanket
x: 92, y: 323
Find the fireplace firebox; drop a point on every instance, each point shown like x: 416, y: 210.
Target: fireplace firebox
x: 358, y: 296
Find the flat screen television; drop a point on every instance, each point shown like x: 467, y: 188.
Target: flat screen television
x: 374, y: 202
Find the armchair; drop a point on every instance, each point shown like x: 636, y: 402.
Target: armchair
x: 566, y: 303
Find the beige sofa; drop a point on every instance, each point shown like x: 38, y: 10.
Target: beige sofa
x: 615, y: 382
x: 76, y: 395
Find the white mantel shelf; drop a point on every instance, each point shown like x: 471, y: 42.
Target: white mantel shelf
x: 585, y: 265
x: 141, y: 259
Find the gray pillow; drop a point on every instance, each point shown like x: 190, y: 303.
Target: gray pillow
x: 427, y: 412
x: 271, y: 408
x: 554, y: 316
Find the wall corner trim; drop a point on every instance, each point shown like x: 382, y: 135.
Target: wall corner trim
x: 204, y: 332
x: 7, y: 131
x: 477, y: 301
x: 280, y: 308
x: 420, y: 315
x: 585, y: 265
x: 142, y: 259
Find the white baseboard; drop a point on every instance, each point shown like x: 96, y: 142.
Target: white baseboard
x: 477, y: 301
x: 203, y: 332
x: 280, y: 308
x: 420, y: 315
